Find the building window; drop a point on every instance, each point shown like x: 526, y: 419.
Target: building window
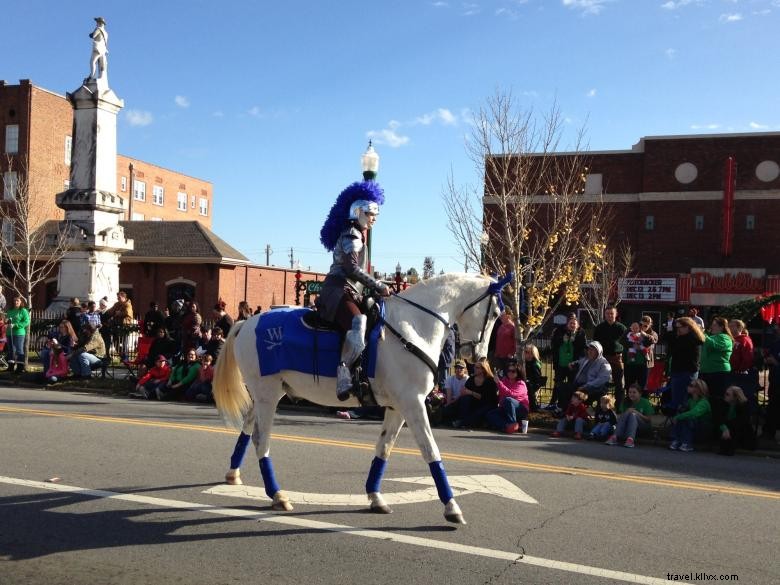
x: 158, y: 195
x: 12, y: 138
x: 9, y: 185
x: 192, y: 201
x: 137, y: 216
x: 68, y: 149
x: 698, y: 222
x: 181, y: 201
x: 649, y: 222
x: 8, y: 231
x: 204, y: 206
x: 123, y: 184
x: 139, y: 191
x: 750, y: 222
x: 593, y: 184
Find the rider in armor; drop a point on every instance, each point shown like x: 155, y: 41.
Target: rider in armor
x: 345, y: 234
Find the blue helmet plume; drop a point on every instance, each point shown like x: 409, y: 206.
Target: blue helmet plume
x: 339, y: 214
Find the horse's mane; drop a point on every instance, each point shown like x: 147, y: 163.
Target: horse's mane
x: 447, y: 285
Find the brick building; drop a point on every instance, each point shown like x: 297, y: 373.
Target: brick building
x: 37, y: 127
x: 700, y: 213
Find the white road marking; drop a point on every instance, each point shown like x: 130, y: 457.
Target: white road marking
x: 292, y: 520
x: 461, y: 484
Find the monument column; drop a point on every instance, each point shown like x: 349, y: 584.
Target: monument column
x: 90, y: 267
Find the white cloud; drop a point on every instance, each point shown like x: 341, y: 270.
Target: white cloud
x: 675, y: 4
x: 442, y: 115
x: 757, y: 126
x: 470, y: 9
x: 440, y: 4
x: 255, y: 112
x: 591, y: 93
x: 586, y: 6
x: 670, y: 53
x: 389, y: 135
x: 705, y: 126
x: 139, y: 117
x: 182, y: 101
x: 736, y: 17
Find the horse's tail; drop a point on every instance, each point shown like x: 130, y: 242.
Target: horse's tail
x: 228, y: 386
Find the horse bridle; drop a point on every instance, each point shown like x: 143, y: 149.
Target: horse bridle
x: 493, y: 290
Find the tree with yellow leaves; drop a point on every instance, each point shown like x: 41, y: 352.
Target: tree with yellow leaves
x: 530, y: 217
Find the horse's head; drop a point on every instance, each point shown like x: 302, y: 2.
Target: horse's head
x: 475, y: 323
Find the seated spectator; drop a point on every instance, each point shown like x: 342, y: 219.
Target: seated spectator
x: 90, y: 351
x: 635, y: 414
x: 453, y: 387
x: 182, y: 376
x: 481, y: 397
x: 695, y: 419
x: 512, y: 400
x: 58, y: 363
x: 221, y: 318
x: 203, y: 340
x: 533, y: 373
x: 162, y: 345
x: 736, y: 430
x: 200, y: 390
x: 593, y: 375
x: 576, y: 414
x: 66, y: 338
x: 148, y: 385
x: 604, y: 419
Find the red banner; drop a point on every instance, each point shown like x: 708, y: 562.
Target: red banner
x: 729, y: 180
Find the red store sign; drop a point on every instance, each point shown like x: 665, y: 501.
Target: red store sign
x: 725, y: 281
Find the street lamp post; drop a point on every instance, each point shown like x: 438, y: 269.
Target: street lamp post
x: 370, y: 164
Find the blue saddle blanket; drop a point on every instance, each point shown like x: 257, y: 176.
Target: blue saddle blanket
x: 285, y: 342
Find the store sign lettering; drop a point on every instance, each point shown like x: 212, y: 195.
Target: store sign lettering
x: 728, y: 282
x: 662, y: 290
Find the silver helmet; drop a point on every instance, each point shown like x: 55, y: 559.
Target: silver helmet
x: 359, y: 209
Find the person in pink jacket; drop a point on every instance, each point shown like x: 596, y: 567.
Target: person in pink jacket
x: 512, y: 400
x: 58, y: 363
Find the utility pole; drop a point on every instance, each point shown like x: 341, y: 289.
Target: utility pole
x: 268, y: 252
x: 292, y: 259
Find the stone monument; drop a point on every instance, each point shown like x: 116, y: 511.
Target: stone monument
x: 90, y: 267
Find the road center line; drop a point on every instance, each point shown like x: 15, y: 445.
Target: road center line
x: 291, y: 520
x: 492, y: 461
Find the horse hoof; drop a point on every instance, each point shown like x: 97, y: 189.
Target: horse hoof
x: 381, y: 509
x: 455, y: 518
x: 233, y: 477
x: 281, y: 503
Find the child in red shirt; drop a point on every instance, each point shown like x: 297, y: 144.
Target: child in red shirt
x: 577, y: 413
x: 154, y: 378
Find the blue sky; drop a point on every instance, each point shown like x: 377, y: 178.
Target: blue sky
x: 274, y: 101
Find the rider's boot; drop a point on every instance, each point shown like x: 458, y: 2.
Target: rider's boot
x: 354, y: 344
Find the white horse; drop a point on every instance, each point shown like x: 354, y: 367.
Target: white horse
x: 421, y: 315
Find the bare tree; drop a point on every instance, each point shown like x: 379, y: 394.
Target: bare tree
x: 604, y: 290
x: 530, y: 216
x: 29, y: 253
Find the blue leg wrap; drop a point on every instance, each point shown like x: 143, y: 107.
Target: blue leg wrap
x: 375, y: 475
x: 269, y: 479
x: 239, y: 451
x: 440, y: 479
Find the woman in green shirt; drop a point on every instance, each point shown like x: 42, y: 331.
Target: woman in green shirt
x: 716, y: 365
x: 634, y: 417
x: 182, y: 376
x: 19, y: 320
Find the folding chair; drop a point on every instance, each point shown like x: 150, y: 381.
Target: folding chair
x: 142, y: 352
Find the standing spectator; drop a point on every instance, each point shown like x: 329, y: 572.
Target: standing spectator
x: 3, y: 302
x: 635, y: 413
x: 223, y: 320
x: 772, y: 418
x: 506, y: 340
x: 3, y: 339
x: 19, y: 319
x: 215, y: 344
x: 576, y: 413
x: 73, y: 314
x: 258, y: 309
x: 640, y: 351
x: 667, y: 330
x: 512, y: 400
x: 604, y: 419
x: 481, y: 396
x: 533, y: 373
x: 190, y: 327
x: 592, y: 377
x: 66, y: 340
x: 694, y: 420
x: 92, y: 316
x: 611, y: 334
x: 742, y: 355
x: 735, y: 430
x: 153, y: 319
x: 90, y: 351
x: 567, y: 345
x: 244, y: 311
x: 684, y: 358
x: 716, y: 365
x: 182, y: 376
x: 119, y: 317
x: 693, y: 313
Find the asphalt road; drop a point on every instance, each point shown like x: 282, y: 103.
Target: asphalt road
x: 100, y: 490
